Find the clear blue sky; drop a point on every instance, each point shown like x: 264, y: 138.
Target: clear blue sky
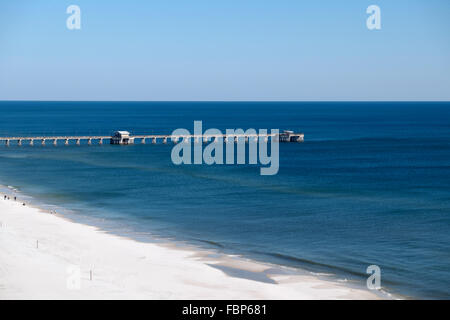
x: 225, y: 50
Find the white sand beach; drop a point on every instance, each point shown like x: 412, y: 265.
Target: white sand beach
x: 41, y: 255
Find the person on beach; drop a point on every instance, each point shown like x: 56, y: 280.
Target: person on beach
x: 15, y: 198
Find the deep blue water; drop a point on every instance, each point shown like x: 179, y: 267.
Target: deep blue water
x: 370, y: 184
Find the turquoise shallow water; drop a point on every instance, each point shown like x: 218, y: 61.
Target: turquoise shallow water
x: 370, y: 185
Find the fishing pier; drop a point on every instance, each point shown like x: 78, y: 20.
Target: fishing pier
x: 125, y: 138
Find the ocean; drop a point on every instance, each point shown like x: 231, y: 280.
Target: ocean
x: 369, y: 186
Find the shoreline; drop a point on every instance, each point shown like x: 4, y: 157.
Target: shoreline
x: 43, y: 253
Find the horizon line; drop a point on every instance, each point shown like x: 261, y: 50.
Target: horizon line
x: 225, y: 101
